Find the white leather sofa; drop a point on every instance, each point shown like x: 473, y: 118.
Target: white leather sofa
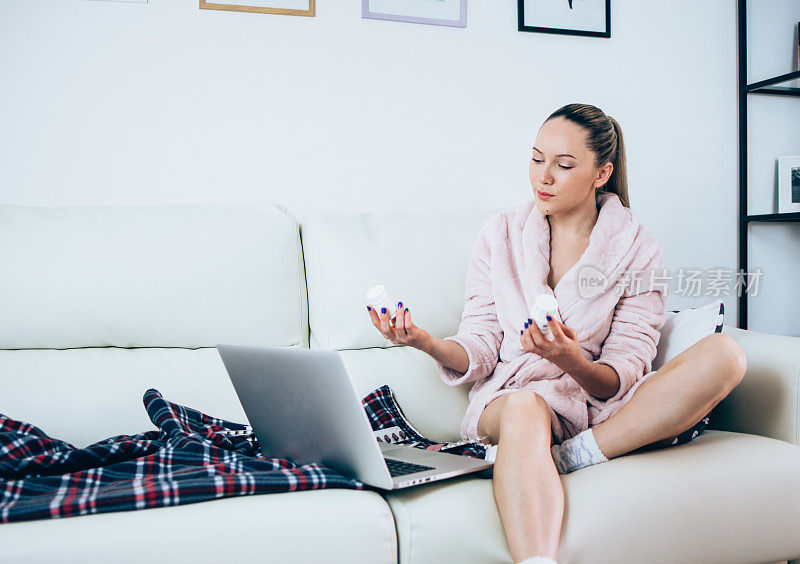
x: 100, y: 303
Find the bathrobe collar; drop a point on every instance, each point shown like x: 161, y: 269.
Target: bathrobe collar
x: 610, y: 240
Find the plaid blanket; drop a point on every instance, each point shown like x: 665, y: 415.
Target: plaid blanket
x: 192, y: 457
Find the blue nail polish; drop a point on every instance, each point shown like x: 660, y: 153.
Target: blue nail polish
x: 369, y: 308
x: 399, y: 304
x: 520, y: 331
x: 526, y: 324
x: 549, y: 318
x: 383, y: 310
x: 529, y: 320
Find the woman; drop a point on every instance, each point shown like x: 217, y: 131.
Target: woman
x: 589, y: 395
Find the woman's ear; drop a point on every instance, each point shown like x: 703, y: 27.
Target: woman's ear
x: 604, y: 175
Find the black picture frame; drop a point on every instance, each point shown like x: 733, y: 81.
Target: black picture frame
x: 522, y: 27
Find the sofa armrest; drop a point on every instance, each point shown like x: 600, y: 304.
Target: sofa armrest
x: 767, y: 401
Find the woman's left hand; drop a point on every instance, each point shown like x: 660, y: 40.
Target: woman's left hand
x: 564, y: 350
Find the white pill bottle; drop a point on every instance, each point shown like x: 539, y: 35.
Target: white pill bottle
x: 378, y: 297
x: 545, y: 305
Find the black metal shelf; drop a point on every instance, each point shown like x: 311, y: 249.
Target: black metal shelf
x: 760, y: 86
x: 770, y: 86
x: 773, y: 217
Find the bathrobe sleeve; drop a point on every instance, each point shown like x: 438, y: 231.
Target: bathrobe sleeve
x: 635, y: 331
x: 479, y: 332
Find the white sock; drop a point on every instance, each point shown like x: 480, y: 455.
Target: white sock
x: 577, y: 452
x: 538, y: 560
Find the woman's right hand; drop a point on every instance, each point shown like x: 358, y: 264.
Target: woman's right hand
x: 402, y: 331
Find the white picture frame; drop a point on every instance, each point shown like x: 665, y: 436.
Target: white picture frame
x: 789, y: 184
x: 441, y: 12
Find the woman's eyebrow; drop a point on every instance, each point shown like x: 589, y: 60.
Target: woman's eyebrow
x: 561, y: 155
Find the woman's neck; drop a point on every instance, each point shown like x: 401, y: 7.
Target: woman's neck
x: 578, y: 221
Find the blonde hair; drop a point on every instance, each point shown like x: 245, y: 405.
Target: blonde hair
x: 604, y: 137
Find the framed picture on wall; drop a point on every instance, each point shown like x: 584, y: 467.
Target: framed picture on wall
x: 789, y: 184
x: 285, y: 7
x: 440, y: 12
x: 566, y: 17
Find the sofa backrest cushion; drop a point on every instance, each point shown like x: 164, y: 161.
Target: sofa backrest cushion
x: 89, y: 394
x: 151, y: 276
x: 421, y: 258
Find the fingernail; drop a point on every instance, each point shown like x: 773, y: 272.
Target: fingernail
x: 406, y: 309
x: 529, y: 320
x: 520, y: 331
x: 383, y: 310
x: 369, y: 308
x: 549, y: 318
x: 526, y: 324
x: 399, y: 304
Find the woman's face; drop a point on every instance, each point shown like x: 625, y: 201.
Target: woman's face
x: 562, y: 165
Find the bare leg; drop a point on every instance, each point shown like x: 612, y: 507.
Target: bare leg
x: 527, y: 487
x: 676, y: 397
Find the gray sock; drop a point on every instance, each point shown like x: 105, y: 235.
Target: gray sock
x: 538, y: 560
x: 577, y: 452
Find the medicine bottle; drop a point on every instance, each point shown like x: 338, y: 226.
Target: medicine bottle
x: 545, y: 305
x: 378, y: 297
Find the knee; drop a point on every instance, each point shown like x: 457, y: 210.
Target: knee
x: 733, y: 358
x: 525, y: 408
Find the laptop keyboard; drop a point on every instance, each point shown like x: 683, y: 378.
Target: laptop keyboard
x: 400, y: 467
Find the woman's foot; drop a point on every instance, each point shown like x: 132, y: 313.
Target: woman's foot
x: 578, y: 452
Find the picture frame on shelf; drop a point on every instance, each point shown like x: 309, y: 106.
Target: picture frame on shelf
x: 284, y: 7
x: 796, y: 82
x: 789, y: 184
x: 797, y: 49
x: 442, y: 12
x: 591, y: 18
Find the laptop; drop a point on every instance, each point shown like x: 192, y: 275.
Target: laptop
x: 302, y: 404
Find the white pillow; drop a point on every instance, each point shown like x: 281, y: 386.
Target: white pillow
x: 684, y: 328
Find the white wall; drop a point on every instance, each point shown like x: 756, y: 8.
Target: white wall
x: 162, y: 103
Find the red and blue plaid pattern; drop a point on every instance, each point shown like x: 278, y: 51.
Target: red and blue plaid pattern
x: 191, y: 457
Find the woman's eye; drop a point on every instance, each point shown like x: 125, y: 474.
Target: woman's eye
x: 562, y: 166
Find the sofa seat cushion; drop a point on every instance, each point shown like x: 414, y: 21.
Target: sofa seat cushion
x: 302, y: 526
x: 724, y: 497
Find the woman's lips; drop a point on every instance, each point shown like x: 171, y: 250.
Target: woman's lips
x: 543, y: 195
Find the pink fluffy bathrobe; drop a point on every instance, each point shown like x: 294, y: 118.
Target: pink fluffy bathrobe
x: 620, y: 326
